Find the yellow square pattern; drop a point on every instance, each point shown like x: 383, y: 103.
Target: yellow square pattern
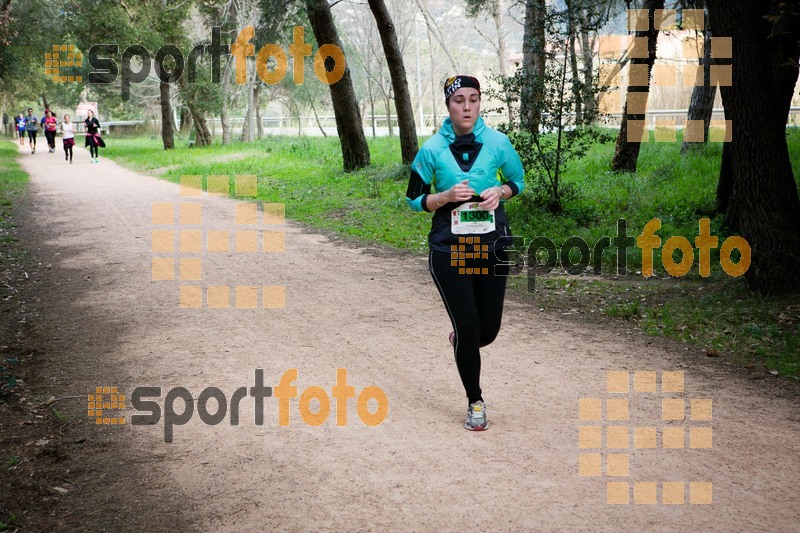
x: 191, y: 185
x: 589, y: 464
x: 191, y: 297
x: 246, y: 297
x: 590, y: 409
x: 218, y: 297
x: 246, y: 185
x: 644, y: 493
x: 246, y: 241
x: 274, y: 297
x: 246, y: 213
x: 218, y: 185
x: 191, y: 241
x: 617, y: 437
x: 590, y: 437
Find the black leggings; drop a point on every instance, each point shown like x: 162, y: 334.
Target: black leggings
x: 94, y: 151
x: 475, y: 305
x: 51, y: 138
x: 32, y: 136
x: 68, y: 151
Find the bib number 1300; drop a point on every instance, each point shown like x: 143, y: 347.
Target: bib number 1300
x: 468, y: 219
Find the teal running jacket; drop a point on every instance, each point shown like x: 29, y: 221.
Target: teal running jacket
x: 484, y: 157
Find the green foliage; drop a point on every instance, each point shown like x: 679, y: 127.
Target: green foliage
x: 562, y: 135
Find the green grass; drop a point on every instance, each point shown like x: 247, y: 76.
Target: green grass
x: 718, y: 313
x: 305, y: 174
x: 12, y: 182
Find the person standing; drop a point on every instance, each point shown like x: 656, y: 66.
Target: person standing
x: 93, y: 140
x: 68, y: 137
x: 32, y: 127
x: 50, y: 124
x: 20, y: 123
x: 475, y: 169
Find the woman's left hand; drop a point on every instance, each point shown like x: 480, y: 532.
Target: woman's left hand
x: 491, y: 198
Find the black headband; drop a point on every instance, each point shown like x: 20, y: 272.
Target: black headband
x: 455, y: 83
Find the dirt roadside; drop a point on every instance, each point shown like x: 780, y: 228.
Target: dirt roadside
x: 95, y: 318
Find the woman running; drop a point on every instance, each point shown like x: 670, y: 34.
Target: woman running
x: 31, y: 126
x: 68, y: 136
x: 93, y: 140
x: 474, y: 169
x: 50, y: 124
x: 20, y: 121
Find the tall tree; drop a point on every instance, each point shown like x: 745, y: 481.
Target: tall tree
x: 701, y: 105
x: 533, y: 64
x: 763, y: 204
x: 397, y: 70
x: 197, y: 118
x: 626, y: 153
x: 355, y: 151
x: 495, y: 9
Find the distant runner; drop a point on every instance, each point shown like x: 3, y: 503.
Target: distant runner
x: 31, y: 126
x: 68, y: 136
x: 50, y: 123
x: 93, y: 140
x: 20, y: 124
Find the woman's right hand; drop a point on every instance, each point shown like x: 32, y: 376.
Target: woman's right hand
x: 460, y: 192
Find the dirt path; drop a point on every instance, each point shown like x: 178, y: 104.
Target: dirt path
x: 106, y: 323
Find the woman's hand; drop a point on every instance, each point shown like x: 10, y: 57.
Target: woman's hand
x: 460, y: 192
x: 491, y: 198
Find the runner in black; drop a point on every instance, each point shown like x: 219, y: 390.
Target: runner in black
x: 92, y: 136
x: 474, y: 169
x: 31, y: 126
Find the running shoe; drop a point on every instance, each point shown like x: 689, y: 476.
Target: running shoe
x: 476, y: 417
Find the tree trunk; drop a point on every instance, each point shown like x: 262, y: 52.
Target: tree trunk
x: 224, y: 97
x: 725, y: 183
x: 319, y: 124
x: 497, y: 17
x: 701, y: 106
x: 185, y: 121
x: 434, y: 92
x: 397, y: 71
x: 167, y: 136
x: 257, y: 105
x: 626, y: 153
x: 387, y: 103
x: 372, y: 113
x: 203, y: 137
x: 763, y: 203
x: 433, y: 29
x: 533, y: 65
x: 577, y: 89
x: 587, y: 49
x: 248, y: 129
x: 355, y: 151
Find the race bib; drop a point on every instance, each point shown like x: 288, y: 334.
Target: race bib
x: 469, y: 219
